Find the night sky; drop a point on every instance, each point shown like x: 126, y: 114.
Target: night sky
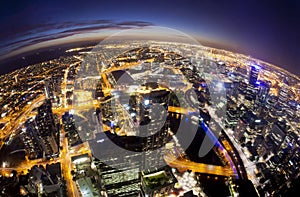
x: 267, y: 30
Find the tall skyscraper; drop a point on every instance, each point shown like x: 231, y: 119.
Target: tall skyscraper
x: 125, y: 156
x: 263, y: 92
x: 49, y: 88
x: 41, y: 133
x: 278, y: 134
x: 254, y: 74
x: 283, y: 94
x: 153, y: 116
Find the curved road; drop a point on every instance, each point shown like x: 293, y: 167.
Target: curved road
x: 183, y: 165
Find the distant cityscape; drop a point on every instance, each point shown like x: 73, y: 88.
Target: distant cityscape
x: 149, y: 118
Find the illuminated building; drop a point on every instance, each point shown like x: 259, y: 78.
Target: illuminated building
x: 157, y: 182
x: 42, y: 133
x: 277, y: 136
x: 85, y: 176
x: 142, y: 152
x: 47, y: 129
x: 52, y: 88
x: 119, y: 173
x: 247, y: 93
x: 69, y: 125
x: 254, y: 74
x: 283, y: 95
x: 30, y: 140
x: 99, y: 93
x: 49, y: 88
x: 152, y: 112
x: 222, y: 67
x: 258, y: 141
x: 263, y: 91
x: 248, y: 125
x: 271, y: 102
x: 251, y: 93
x: 232, y: 117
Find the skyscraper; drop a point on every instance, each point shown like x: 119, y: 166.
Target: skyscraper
x: 263, y: 92
x: 49, y: 88
x: 254, y: 74
x: 283, y: 94
x: 278, y: 134
x: 41, y: 133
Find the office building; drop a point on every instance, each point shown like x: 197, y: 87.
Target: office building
x: 41, y: 133
x: 157, y: 182
x: 254, y: 74
x: 283, y: 94
x: 263, y: 90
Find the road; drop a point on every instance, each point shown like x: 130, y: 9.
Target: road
x: 181, y: 110
x: 250, y: 166
x: 65, y: 160
x: 183, y: 165
x: 199, y: 167
x: 13, y: 126
x: 66, y: 163
x: 66, y: 153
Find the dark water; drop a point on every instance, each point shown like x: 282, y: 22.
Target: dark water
x: 193, y: 149
x: 38, y: 56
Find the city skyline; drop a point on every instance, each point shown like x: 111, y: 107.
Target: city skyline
x: 100, y: 104
x: 267, y: 31
x: 152, y: 99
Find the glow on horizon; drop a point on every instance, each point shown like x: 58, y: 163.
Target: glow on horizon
x: 149, y: 32
x: 101, y: 34
x: 59, y: 41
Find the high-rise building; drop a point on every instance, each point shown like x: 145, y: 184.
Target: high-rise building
x: 120, y: 159
x: 271, y: 102
x: 249, y: 124
x: 153, y: 108
x: 232, y: 117
x: 222, y: 67
x: 247, y: 91
x: 258, y: 141
x: 49, y: 88
x: 99, y: 92
x: 42, y: 133
x: 254, y: 74
x: 117, y: 167
x: 30, y: 139
x: 277, y: 135
x: 52, y: 88
x: 157, y: 182
x: 283, y: 94
x: 263, y: 90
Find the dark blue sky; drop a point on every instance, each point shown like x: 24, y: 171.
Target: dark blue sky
x: 268, y: 30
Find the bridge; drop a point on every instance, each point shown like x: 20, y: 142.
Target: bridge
x: 183, y: 164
